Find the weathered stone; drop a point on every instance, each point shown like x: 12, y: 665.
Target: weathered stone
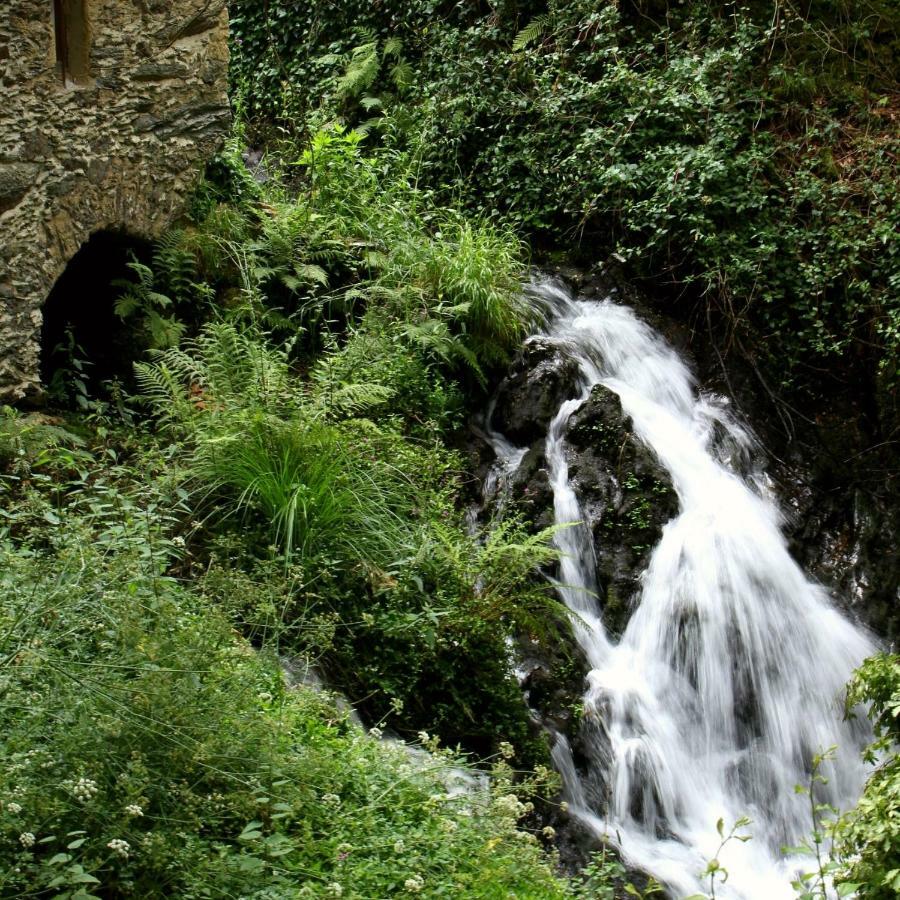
x: 114, y: 142
x: 15, y: 181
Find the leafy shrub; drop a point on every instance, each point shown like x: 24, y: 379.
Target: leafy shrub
x: 868, y: 837
x: 34, y: 440
x: 412, y: 602
x: 149, y: 752
x: 256, y: 447
x: 748, y: 153
x: 450, y: 609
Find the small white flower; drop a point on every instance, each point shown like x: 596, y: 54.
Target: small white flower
x: 399, y: 846
x: 449, y: 825
x: 84, y: 789
x: 564, y: 807
x: 376, y: 733
x: 178, y: 540
x: 14, y: 808
x: 507, y: 751
x: 509, y: 804
x: 549, y: 832
x: 331, y: 800
x: 415, y: 884
x: 335, y: 889
x: 424, y: 737
x: 119, y: 847
x: 134, y: 810
x: 26, y: 839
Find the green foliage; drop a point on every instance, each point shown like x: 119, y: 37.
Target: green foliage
x: 536, y: 29
x: 715, y: 871
x: 369, y: 516
x: 814, y: 884
x: 36, y: 441
x: 309, y: 417
x: 156, y: 292
x: 148, y: 751
x: 868, y: 837
x: 256, y: 448
x: 331, y: 242
x: 747, y: 151
x: 453, y: 282
x: 447, y: 610
x: 604, y: 878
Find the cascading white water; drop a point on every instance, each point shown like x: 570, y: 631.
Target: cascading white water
x: 730, y: 673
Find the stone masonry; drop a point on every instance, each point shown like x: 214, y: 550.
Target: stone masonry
x: 108, y: 108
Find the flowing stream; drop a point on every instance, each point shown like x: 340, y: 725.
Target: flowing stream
x: 730, y: 673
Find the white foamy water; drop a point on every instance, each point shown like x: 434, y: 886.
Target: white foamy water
x: 730, y: 674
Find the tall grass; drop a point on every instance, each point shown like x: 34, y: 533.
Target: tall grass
x: 315, y: 495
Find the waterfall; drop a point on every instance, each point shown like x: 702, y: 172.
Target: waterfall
x: 729, y: 676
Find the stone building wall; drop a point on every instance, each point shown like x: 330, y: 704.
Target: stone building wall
x: 113, y: 142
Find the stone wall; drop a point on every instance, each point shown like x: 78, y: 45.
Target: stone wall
x: 109, y: 108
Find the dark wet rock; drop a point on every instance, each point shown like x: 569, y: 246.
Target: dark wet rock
x: 539, y: 380
x: 625, y: 498
x: 531, y: 489
x: 625, y: 494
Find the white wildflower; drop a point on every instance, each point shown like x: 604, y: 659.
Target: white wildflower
x: 119, y: 847
x: 331, y: 800
x: 26, y: 839
x: 376, y: 732
x: 549, y: 832
x: 335, y: 890
x: 14, y: 808
x: 84, y: 789
x: 134, y: 810
x: 507, y: 751
x: 415, y: 884
x: 399, y: 846
x: 509, y: 804
x: 564, y: 807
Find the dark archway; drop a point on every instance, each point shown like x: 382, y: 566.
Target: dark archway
x: 82, y: 338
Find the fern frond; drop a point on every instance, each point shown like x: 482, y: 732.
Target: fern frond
x: 402, y: 74
x: 433, y: 337
x: 531, y: 33
x: 361, y: 72
x: 393, y: 46
x: 356, y: 399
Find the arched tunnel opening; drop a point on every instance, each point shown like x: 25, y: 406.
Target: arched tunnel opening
x: 85, y: 345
